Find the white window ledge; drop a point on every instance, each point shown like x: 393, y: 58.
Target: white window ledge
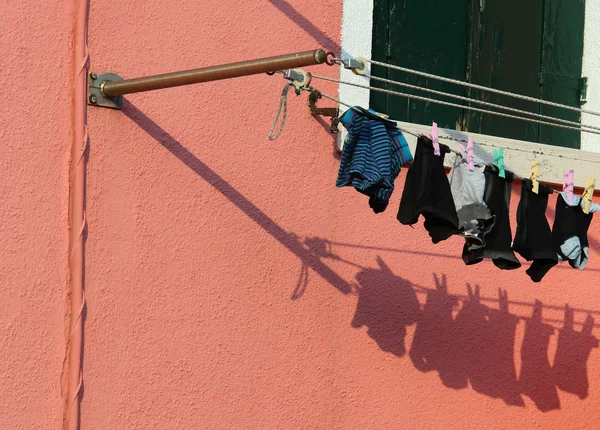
x: 518, y: 155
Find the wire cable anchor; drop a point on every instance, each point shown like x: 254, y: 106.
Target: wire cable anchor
x: 333, y: 113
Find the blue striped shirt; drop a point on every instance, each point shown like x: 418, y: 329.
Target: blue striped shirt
x: 374, y: 151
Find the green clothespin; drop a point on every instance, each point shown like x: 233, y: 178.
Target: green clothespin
x: 499, y: 161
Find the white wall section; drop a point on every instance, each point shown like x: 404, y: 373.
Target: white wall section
x: 591, y: 69
x: 357, y: 35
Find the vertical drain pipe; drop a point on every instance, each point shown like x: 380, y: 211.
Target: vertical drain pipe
x: 77, y: 214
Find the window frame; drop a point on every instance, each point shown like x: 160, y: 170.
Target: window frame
x: 356, y: 41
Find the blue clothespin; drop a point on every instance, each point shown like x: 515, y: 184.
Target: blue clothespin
x: 499, y: 161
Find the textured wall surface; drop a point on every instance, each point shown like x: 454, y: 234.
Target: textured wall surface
x: 35, y: 65
x: 229, y: 284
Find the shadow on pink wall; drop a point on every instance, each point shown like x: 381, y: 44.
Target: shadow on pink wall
x: 475, y: 348
x: 315, y: 32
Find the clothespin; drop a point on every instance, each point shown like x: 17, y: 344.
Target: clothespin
x: 468, y: 152
x: 499, y: 161
x: 534, y: 176
x: 568, y: 185
x: 588, y: 194
x: 435, y: 139
x: 470, y: 155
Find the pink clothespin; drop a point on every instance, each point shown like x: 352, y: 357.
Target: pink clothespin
x: 469, y: 154
x: 568, y: 185
x: 435, y: 139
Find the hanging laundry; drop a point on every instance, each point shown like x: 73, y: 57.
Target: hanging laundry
x: 572, y: 353
x: 499, y: 240
x: 374, y: 151
x: 570, y: 230
x: 474, y: 218
x: 533, y: 239
x: 427, y: 192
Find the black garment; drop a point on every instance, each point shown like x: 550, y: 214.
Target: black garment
x: 533, y: 239
x: 427, y: 192
x: 498, y: 241
x: 570, y: 224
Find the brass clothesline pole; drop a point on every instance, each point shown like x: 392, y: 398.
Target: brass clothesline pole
x: 106, y: 89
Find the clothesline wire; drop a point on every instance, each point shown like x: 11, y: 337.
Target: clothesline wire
x: 481, y: 102
x: 477, y: 164
x: 430, y: 100
x: 481, y: 87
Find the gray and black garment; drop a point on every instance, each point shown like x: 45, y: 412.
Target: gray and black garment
x: 498, y: 242
x: 475, y: 220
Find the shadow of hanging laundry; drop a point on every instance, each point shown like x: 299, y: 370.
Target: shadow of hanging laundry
x: 387, y: 304
x: 537, y: 378
x: 572, y: 353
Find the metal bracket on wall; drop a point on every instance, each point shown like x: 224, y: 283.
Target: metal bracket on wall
x: 583, y: 88
x: 333, y: 113
x: 95, y: 95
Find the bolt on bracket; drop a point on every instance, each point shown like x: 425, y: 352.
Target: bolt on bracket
x: 95, y: 95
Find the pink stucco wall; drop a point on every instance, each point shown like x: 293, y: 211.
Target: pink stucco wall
x: 226, y: 277
x: 35, y: 130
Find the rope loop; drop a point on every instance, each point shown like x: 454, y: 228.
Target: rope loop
x: 282, y: 108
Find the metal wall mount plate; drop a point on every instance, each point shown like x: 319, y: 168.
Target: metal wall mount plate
x: 95, y: 95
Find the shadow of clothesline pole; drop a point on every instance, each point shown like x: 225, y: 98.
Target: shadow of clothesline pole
x: 312, y: 30
x: 289, y: 241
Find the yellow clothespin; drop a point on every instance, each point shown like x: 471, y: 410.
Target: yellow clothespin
x: 588, y: 194
x: 534, y: 175
x: 384, y: 116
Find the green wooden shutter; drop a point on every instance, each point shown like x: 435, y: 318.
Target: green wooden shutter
x: 506, y: 39
x: 560, y: 74
x: 427, y: 35
x: 530, y: 47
